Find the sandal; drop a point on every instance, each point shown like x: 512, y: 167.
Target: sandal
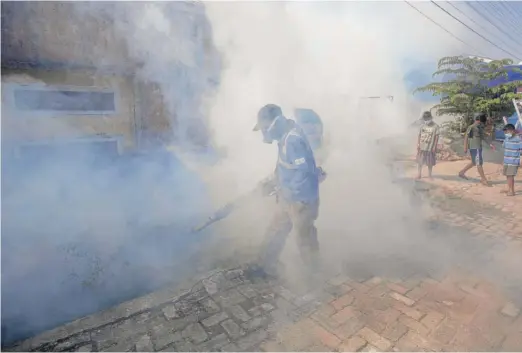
x: 462, y: 176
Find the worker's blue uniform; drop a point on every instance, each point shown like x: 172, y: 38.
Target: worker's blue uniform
x: 312, y: 126
x: 297, y: 179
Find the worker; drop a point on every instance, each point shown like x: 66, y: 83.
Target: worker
x: 296, y: 181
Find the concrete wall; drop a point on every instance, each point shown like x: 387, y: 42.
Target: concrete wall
x: 61, y: 32
x: 19, y: 127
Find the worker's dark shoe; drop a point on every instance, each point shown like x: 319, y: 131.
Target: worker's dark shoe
x: 256, y: 271
x: 267, y: 272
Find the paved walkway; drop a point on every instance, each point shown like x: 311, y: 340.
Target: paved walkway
x: 228, y: 310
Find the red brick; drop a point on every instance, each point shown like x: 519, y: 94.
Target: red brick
x: 344, y: 315
x: 411, y: 342
x: 412, y: 282
x: 425, y: 306
x: 352, y: 344
x: 417, y: 293
x: 350, y: 327
x: 414, y: 325
x: 402, y: 298
x: 366, y: 303
x: 358, y: 287
x: 510, y: 310
x: 342, y: 302
x: 513, y: 343
x: 493, y: 325
x: 490, y: 290
x: 373, y: 282
x: 326, y: 337
x: 445, y: 293
x: 298, y: 336
x: 379, y: 290
x: 473, y: 291
x: 446, y: 331
x: 397, y: 288
x: 317, y: 347
x: 325, y: 311
x: 379, y: 320
x: 394, y: 331
x: 370, y: 348
x: 469, y: 338
x: 408, y: 311
x: 323, y: 315
x: 465, y: 310
x: 374, y: 339
x: 517, y: 325
x: 432, y: 319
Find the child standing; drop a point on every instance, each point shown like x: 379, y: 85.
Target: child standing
x: 473, y: 140
x: 512, y: 150
x: 427, y: 144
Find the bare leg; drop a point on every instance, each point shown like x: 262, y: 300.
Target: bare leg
x: 419, y: 171
x: 511, y: 185
x: 483, y: 179
x: 430, y: 170
x: 463, y: 172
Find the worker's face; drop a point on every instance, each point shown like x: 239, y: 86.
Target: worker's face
x: 428, y: 121
x: 266, y: 136
x: 269, y: 132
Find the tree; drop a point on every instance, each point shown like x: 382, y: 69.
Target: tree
x: 474, y: 85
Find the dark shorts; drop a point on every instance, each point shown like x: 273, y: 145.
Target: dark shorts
x: 426, y: 158
x: 476, y: 156
x: 510, y: 170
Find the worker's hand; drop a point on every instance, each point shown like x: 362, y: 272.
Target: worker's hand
x: 492, y: 147
x: 268, y: 187
x: 465, y: 150
x: 322, y: 174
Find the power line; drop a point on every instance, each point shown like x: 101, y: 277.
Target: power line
x: 506, y: 12
x: 472, y: 20
x: 441, y: 27
x: 471, y: 29
x: 513, y: 14
x: 494, y: 24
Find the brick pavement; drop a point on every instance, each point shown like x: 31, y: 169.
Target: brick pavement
x: 497, y: 212
x: 230, y: 311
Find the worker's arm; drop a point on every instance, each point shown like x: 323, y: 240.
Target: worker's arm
x: 418, y: 139
x: 466, y: 137
x: 489, y: 137
x: 436, y: 140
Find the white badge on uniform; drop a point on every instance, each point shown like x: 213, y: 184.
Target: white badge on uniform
x: 299, y: 161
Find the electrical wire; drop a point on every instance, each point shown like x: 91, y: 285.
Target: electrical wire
x: 492, y: 23
x: 512, y: 14
x: 477, y: 52
x: 475, y: 22
x: 477, y: 33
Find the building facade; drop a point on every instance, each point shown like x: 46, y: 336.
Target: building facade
x: 69, y: 78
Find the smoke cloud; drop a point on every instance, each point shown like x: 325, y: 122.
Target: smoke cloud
x: 331, y: 56
x: 82, y: 236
